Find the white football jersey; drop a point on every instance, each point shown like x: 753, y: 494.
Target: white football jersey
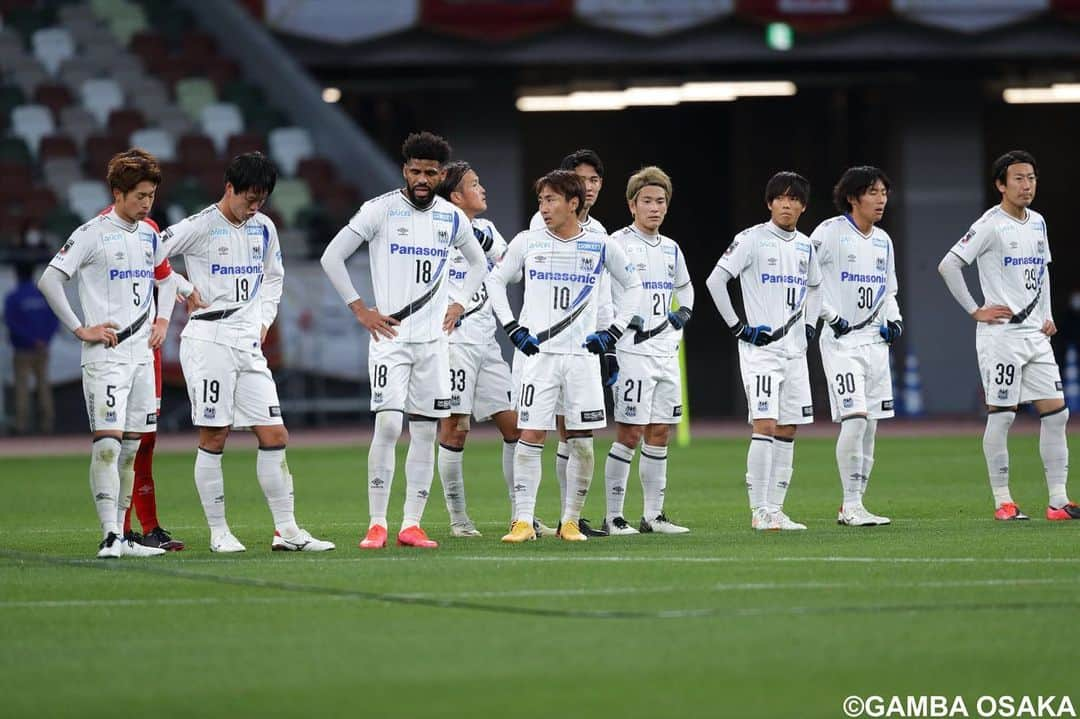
x: 1012, y: 256
x: 409, y: 250
x: 605, y: 308
x: 858, y: 279
x: 589, y: 225
x: 561, y: 279
x: 114, y: 261
x: 478, y: 323
x: 776, y: 269
x: 237, y: 270
x: 661, y: 266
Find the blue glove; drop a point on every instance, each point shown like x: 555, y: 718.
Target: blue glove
x: 603, y: 340
x: 811, y: 333
x: 521, y: 338
x: 481, y: 237
x: 679, y: 317
x: 891, y: 331
x: 758, y: 336
x: 840, y: 326
x: 609, y: 369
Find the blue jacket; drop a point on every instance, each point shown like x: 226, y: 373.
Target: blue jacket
x: 28, y: 316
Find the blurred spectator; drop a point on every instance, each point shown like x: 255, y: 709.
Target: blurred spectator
x: 1069, y: 325
x: 31, y: 326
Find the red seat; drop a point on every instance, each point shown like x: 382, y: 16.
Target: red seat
x: 195, y: 152
x: 54, y: 97
x: 38, y: 203
x: 57, y: 146
x: 125, y: 121
x: 318, y: 172
x: 245, y: 142
x: 99, y: 149
x: 150, y: 46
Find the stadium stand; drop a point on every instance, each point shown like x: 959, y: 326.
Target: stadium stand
x: 84, y: 80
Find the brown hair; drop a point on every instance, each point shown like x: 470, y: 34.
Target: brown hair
x: 129, y: 168
x: 650, y: 176
x: 565, y: 183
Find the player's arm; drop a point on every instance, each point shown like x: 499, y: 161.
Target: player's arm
x: 608, y: 296
x: 511, y: 267
x: 51, y: 285
x: 717, y: 283
x: 684, y: 293
x: 346, y: 242
x: 892, y: 323
x: 273, y: 281
x: 1049, y: 328
x: 824, y: 240
x: 624, y: 273
x: 951, y: 269
x: 469, y: 246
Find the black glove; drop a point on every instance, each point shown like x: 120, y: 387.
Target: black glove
x: 609, y: 369
x: 603, y: 340
x: 758, y: 336
x: 481, y: 237
x: 679, y: 317
x: 521, y: 338
x: 891, y: 331
x: 840, y: 326
x: 811, y: 333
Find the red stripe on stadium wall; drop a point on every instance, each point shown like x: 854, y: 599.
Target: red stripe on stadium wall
x: 495, y: 19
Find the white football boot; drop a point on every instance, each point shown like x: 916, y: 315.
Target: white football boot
x: 661, y: 525
x: 765, y: 521
x: 464, y: 529
x: 110, y: 547
x: 302, y: 541
x: 787, y: 524
x: 859, y: 516
x: 131, y: 548
x: 225, y: 543
x: 618, y: 526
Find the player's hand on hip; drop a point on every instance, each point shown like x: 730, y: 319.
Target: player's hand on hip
x: 679, y: 317
x: 993, y: 314
x: 192, y: 302
x: 602, y: 341
x: 157, y: 333
x: 378, y: 324
x: 104, y: 333
x: 891, y: 331
x: 811, y: 332
x: 1049, y: 328
x: 452, y: 318
x: 840, y: 326
x: 758, y: 336
x: 527, y: 343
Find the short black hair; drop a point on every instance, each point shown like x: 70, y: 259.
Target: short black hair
x: 1012, y: 157
x: 425, y: 146
x: 582, y: 157
x: 788, y: 183
x: 455, y: 173
x: 251, y: 171
x: 565, y: 183
x: 854, y: 183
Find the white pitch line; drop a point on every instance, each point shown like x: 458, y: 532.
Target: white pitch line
x: 546, y: 592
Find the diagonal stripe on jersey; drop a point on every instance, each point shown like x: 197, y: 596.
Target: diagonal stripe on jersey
x: 561, y: 324
x: 645, y: 335
x: 418, y: 303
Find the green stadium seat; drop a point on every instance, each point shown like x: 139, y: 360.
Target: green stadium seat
x: 289, y: 198
x: 193, y: 94
x: 61, y: 222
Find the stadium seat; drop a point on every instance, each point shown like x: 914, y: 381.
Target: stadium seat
x: 27, y: 73
x: 193, y: 94
x: 38, y: 202
x: 76, y: 121
x: 101, y: 96
x: 52, y: 46
x: 28, y: 20
x: 318, y: 172
x: 244, y: 142
x: 196, y: 151
x: 126, y: 25
x: 105, y: 9
x: 99, y: 149
x: 14, y: 149
x: 87, y: 197
x: 189, y: 195
x: 62, y: 221
x: 290, y: 196
x: 123, y: 122
x: 74, y: 73
x: 289, y: 145
x: 62, y: 172
x: 219, y: 120
x: 16, y: 175
x: 54, y: 97
x: 11, y: 96
x: 159, y: 143
x: 174, y: 121
x: 53, y: 146
x: 31, y: 123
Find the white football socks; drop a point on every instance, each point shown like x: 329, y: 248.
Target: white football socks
x: 759, y: 461
x: 273, y: 475
x: 527, y: 469
x: 996, y: 452
x: 126, y: 470
x: 616, y: 475
x: 451, y: 475
x: 562, y: 457
x: 1054, y: 450
x: 419, y: 470
x: 210, y: 483
x: 508, y: 449
x: 105, y: 482
x: 868, y: 453
x: 579, y: 472
x: 849, y: 459
x: 652, y: 470
x: 381, y: 462
x: 783, y: 455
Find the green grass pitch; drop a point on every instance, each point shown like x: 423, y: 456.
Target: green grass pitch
x: 722, y: 622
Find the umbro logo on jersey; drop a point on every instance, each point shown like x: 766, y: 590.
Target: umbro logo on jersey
x: 773, y: 261
x: 119, y: 256
x: 223, y: 250
x: 403, y: 231
x: 852, y: 258
x: 540, y: 259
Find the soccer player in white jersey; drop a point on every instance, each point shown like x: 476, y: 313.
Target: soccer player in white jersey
x: 779, y: 275
x: 1012, y: 335
x: 233, y: 258
x: 561, y: 266
x: 114, y: 256
x: 587, y: 165
x: 858, y: 268
x: 410, y: 233
x: 479, y: 377
x: 648, y: 393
